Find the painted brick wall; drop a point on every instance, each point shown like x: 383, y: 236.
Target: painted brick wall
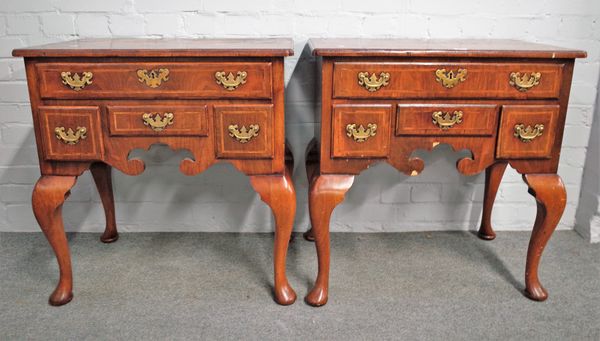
x: 221, y: 199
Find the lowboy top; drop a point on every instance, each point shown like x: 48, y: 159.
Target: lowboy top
x: 131, y: 47
x: 481, y: 48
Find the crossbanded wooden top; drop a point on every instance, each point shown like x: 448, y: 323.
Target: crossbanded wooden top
x: 486, y: 48
x: 166, y: 47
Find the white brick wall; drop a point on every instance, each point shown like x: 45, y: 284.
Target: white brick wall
x: 221, y: 199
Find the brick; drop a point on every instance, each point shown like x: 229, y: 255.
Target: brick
x: 310, y: 25
x: 462, y: 193
x: 164, y: 24
x: 425, y: 193
x: 20, y: 218
x: 200, y: 23
x: 99, y: 6
x: 586, y: 73
x: 15, y: 92
x: 15, y: 113
x: 173, y: 6
x: 397, y: 194
x: 576, y: 136
x: 19, y: 175
x: 18, y: 156
x: 379, y: 25
x: 7, y: 44
x: 26, y: 6
x: 276, y: 25
x: 18, y: 134
x: 239, y: 25
x: 345, y: 26
x: 578, y: 115
x: 3, y: 27
x: 22, y: 24
x: 92, y: 25
x: 127, y: 25
x: 236, y: 6
x: 15, y: 193
x: 385, y: 6
x: 574, y: 157
x: 58, y: 24
x: 582, y: 94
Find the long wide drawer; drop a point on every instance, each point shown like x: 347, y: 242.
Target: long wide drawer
x: 158, y: 120
x: 446, y: 119
x: 446, y: 80
x: 156, y: 80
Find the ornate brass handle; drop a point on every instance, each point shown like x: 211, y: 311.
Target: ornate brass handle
x: 373, y: 83
x: 525, y: 81
x: 361, y: 134
x: 157, y: 123
x: 527, y: 134
x: 231, y: 82
x: 243, y: 135
x: 70, y: 136
x: 446, y: 120
x: 154, y: 78
x: 450, y: 79
x: 76, y: 82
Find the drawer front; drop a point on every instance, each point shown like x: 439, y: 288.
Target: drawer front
x: 158, y: 120
x: 527, y: 131
x: 155, y: 80
x: 448, y: 80
x: 71, y: 133
x: 446, y: 120
x: 244, y: 131
x: 361, y: 130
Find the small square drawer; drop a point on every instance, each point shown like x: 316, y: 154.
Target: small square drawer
x: 158, y: 120
x: 527, y: 131
x: 244, y: 131
x: 71, y: 133
x: 161, y: 79
x: 446, y: 80
x: 361, y: 130
x: 446, y: 119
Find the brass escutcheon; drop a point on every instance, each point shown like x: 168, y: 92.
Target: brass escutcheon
x: 446, y: 120
x: 450, y: 79
x: 76, y: 82
x: 361, y: 134
x: 231, y: 82
x: 373, y: 83
x: 157, y: 123
x: 243, y: 135
x: 70, y: 136
x: 154, y: 78
x: 525, y: 81
x: 529, y: 133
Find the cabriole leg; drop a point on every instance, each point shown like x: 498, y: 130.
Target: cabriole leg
x: 551, y: 196
x: 326, y: 192
x: 49, y: 194
x: 278, y: 192
x: 493, y: 176
x: 101, y: 172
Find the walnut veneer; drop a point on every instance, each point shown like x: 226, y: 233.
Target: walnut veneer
x: 94, y: 101
x: 382, y: 99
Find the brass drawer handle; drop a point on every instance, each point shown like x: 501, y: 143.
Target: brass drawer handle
x: 450, y: 79
x: 527, y: 134
x: 373, y: 83
x: 243, y: 135
x: 231, y: 82
x: 154, y: 78
x: 76, y: 82
x: 70, y: 136
x: 157, y: 123
x: 525, y: 81
x: 361, y: 134
x: 446, y: 120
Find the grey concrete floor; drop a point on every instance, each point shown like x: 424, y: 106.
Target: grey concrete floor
x: 430, y: 286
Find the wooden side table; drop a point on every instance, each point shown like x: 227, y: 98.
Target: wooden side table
x: 505, y: 101
x: 94, y: 101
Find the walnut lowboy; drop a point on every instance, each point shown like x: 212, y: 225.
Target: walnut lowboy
x: 94, y: 101
x: 382, y: 99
